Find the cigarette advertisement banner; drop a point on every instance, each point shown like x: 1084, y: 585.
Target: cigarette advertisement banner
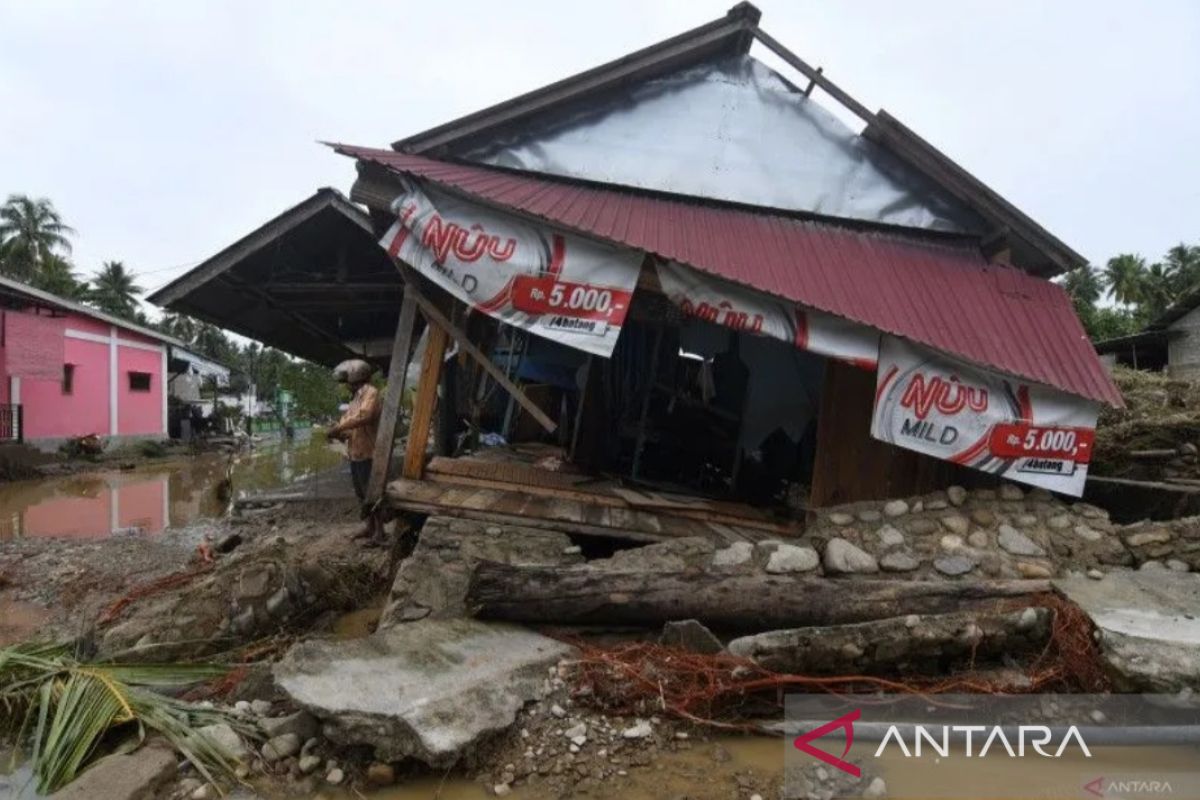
x: 941, y: 407
x: 724, y: 303
x: 572, y: 290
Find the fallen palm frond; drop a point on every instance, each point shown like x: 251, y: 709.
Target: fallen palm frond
x: 66, y: 707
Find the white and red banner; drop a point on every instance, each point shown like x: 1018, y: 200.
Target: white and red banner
x: 563, y: 287
x: 1025, y: 432
x: 724, y: 303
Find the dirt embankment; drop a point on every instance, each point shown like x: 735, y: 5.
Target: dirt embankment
x: 1156, y: 436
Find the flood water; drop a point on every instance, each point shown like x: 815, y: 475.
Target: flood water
x: 154, y: 498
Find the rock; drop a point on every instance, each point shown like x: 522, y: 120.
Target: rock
x: 1152, y: 566
x: 1095, y: 574
x: 792, y: 558
x: 205, y: 791
x: 954, y: 565
x: 1089, y: 511
x: 979, y: 540
x: 140, y: 775
x: 1059, y: 522
x: 281, y: 747
x: 1017, y: 543
x: 300, y: 723
x: 895, y: 508
x: 260, y: 707
x: 1148, y: 537
x: 309, y: 763
x: 921, y: 526
x: 843, y: 558
x: 1025, y: 520
x: 224, y: 736
x: 957, y: 495
x: 1010, y: 492
x: 557, y: 711
x: 1033, y: 571
x: 956, y: 524
x: 1188, y: 449
x: 690, y: 634
x: 951, y: 542
x: 1177, y: 565
x: 579, y: 729
x: 380, y: 774
x: 734, y: 555
x: 640, y: 730
x: 983, y: 517
x: 840, y: 518
x: 897, y: 561
x: 428, y: 690
x: 876, y: 788
x: 1148, y: 626
x: 1088, y: 534
x: 890, y: 536
x: 335, y: 777
x: 501, y: 789
x: 869, y: 515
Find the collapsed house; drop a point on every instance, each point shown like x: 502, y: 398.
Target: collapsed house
x: 687, y: 296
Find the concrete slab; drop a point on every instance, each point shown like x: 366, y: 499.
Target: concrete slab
x: 429, y: 689
x: 1149, y: 624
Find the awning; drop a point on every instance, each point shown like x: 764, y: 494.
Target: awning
x: 940, y: 293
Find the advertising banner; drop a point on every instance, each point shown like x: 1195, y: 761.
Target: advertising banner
x: 1025, y: 432
x: 553, y: 284
x: 724, y: 303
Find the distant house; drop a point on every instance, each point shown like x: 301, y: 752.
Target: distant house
x: 67, y: 370
x: 1170, y: 344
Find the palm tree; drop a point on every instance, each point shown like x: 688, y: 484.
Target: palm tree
x: 1157, y: 290
x: 1183, y: 267
x: 1123, y: 277
x: 1083, y: 284
x: 31, y: 232
x: 180, y: 326
x: 113, y: 290
x: 57, y: 276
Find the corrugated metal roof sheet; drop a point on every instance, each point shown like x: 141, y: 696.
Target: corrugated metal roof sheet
x: 940, y: 294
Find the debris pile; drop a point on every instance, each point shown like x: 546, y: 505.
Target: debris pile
x: 1156, y: 437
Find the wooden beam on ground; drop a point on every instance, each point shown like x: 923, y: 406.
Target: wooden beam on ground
x: 425, y: 402
x: 436, y: 317
x: 397, y: 369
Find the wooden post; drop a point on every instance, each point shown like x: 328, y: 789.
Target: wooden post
x: 397, y: 368
x: 425, y: 402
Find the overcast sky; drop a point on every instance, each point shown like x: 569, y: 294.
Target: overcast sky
x: 163, y: 131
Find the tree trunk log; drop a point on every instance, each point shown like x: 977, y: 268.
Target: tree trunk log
x: 732, y: 602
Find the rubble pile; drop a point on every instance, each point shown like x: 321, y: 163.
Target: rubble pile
x: 1156, y: 437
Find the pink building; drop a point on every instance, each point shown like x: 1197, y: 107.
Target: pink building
x: 68, y: 370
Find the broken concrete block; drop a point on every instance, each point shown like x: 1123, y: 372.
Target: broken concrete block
x: 1148, y: 625
x: 427, y: 690
x: 689, y: 634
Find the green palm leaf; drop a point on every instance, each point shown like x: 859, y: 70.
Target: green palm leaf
x: 69, y: 707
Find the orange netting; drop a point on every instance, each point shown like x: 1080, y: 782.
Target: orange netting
x: 646, y: 678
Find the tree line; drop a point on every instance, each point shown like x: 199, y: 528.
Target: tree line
x: 35, y: 249
x: 1140, y: 292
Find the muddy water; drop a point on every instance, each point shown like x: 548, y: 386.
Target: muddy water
x: 156, y: 497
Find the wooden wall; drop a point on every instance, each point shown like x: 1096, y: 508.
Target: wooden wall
x: 850, y: 465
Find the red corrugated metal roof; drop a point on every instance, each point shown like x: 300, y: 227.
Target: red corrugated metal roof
x: 940, y: 294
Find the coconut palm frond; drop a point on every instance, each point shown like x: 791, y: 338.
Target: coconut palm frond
x: 69, y: 707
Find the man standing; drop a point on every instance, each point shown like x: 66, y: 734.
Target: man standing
x: 358, y: 428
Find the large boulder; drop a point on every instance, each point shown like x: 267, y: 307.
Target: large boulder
x: 429, y: 690
x: 140, y: 775
x: 1148, y: 625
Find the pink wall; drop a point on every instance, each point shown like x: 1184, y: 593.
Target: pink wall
x: 139, y: 412
x: 50, y: 414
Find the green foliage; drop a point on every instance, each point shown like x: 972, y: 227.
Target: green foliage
x: 115, y: 291
x: 1142, y: 291
x: 65, y: 707
x: 31, y: 234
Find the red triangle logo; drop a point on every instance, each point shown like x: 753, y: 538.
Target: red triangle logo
x: 845, y: 722
x: 1096, y: 787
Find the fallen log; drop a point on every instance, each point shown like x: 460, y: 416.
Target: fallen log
x: 732, y: 602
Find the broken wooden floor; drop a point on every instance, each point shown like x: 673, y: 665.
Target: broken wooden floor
x: 515, y: 493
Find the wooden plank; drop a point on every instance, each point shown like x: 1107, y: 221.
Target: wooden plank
x: 397, y: 369
x: 850, y: 465
x: 424, y: 403
x: 435, y: 315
